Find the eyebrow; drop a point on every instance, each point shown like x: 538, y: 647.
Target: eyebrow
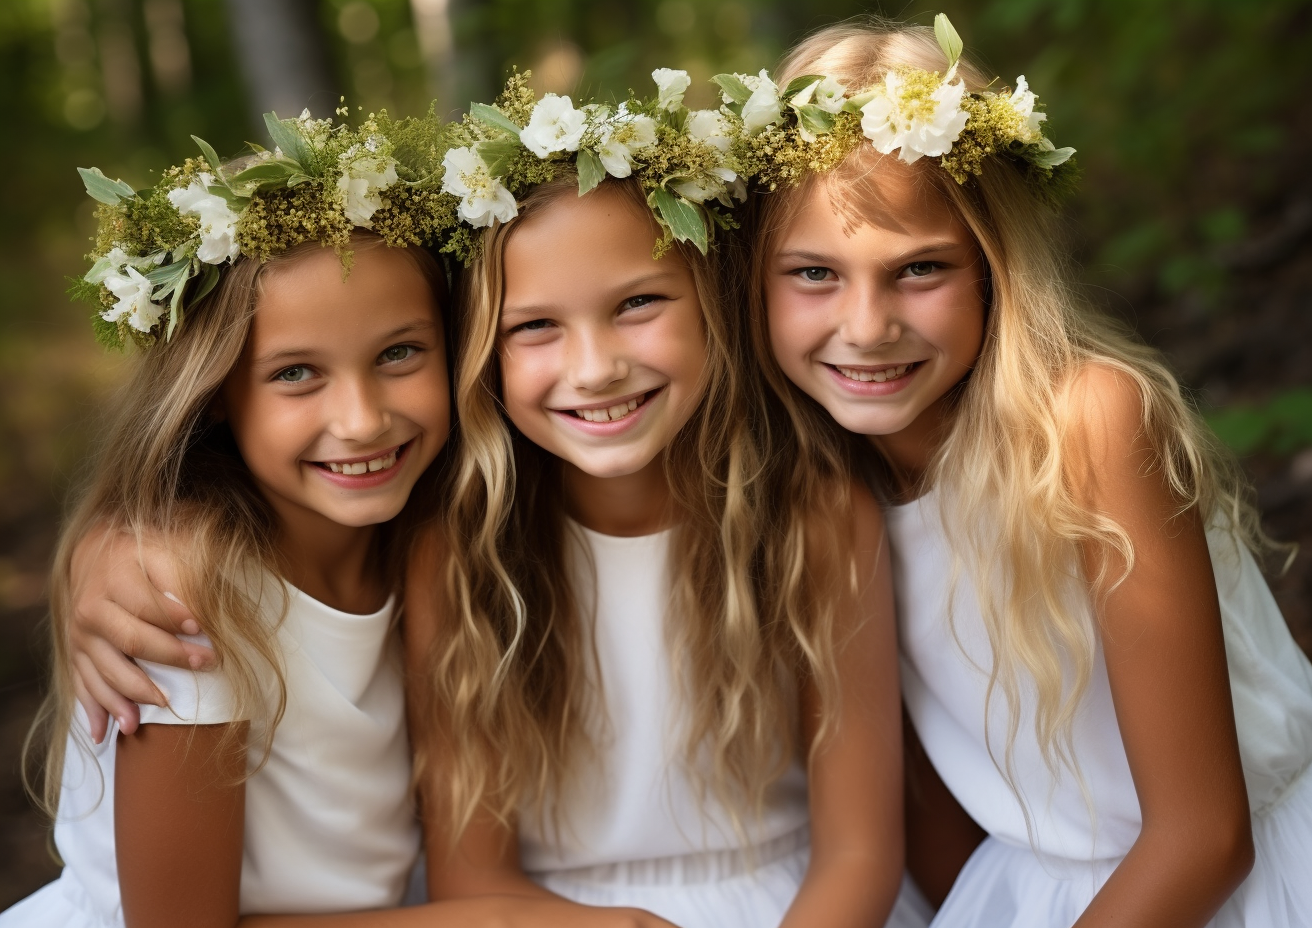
x: 287, y: 354
x: 817, y: 258
x: 633, y: 286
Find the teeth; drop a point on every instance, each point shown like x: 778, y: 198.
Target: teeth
x: 363, y: 467
x: 610, y: 413
x: 892, y: 373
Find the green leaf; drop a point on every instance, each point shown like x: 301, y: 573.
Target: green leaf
x: 236, y: 202
x: 1050, y: 159
x: 733, y: 87
x: 948, y: 40
x: 854, y: 103
x: 267, y: 170
x: 798, y: 84
x: 491, y: 116
x: 591, y: 171
x: 103, y: 189
x: 167, y: 277
x: 499, y: 154
x: 287, y: 136
x: 684, y: 219
x: 209, y: 277
x: 210, y: 154
x: 298, y: 179
x: 814, y: 119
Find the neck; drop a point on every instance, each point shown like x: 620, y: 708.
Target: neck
x: 910, y: 451
x: 631, y: 505
x: 329, y: 562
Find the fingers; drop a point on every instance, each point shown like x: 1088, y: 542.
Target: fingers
x: 161, y: 570
x: 120, y: 627
x: 106, y: 696
x: 97, y: 717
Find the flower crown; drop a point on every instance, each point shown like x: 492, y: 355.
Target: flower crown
x: 160, y: 250
x: 688, y: 162
x: 412, y: 181
x: 815, y: 122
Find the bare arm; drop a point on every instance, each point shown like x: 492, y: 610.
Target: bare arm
x: 483, y: 866
x: 941, y: 835
x: 1161, y: 632
x: 124, y: 606
x: 856, y: 775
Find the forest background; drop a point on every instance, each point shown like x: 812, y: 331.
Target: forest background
x: 1191, y: 117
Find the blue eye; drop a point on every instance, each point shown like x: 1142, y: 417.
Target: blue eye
x: 297, y: 374
x: 398, y: 353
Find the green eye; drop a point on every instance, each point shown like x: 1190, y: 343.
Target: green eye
x: 397, y: 353
x: 296, y: 374
x: 920, y: 269
x: 815, y: 274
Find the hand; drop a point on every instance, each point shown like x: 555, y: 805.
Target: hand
x: 122, y: 606
x: 519, y: 912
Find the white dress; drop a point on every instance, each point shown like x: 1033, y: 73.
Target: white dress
x: 634, y: 832
x: 330, y: 826
x: 1048, y: 881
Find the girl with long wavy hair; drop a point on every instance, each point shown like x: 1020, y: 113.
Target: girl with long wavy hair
x: 1090, y: 655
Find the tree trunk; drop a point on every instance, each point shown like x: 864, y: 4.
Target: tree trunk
x: 283, y: 57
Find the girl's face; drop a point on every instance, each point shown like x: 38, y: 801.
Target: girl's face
x: 601, y: 347
x: 876, y: 304
x: 340, y: 399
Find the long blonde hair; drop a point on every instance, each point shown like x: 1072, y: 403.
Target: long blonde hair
x: 167, y: 466
x: 1002, y: 470
x: 508, y: 673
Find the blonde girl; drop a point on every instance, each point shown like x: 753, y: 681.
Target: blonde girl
x: 634, y: 645
x: 1090, y: 655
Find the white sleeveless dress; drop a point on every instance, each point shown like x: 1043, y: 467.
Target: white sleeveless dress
x: 330, y: 826
x: 1013, y: 882
x: 634, y: 832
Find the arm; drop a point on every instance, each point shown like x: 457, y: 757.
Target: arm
x: 483, y: 867
x: 123, y: 606
x: 856, y: 775
x: 941, y: 835
x: 1161, y: 633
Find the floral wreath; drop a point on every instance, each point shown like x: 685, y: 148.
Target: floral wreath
x: 688, y: 162
x: 815, y: 122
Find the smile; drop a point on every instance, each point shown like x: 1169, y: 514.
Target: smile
x: 619, y: 410
x: 385, y: 461
x: 876, y: 376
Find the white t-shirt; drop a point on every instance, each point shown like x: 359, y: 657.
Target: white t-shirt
x: 330, y: 825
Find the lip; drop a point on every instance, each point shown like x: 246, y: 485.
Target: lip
x: 616, y: 426
x: 370, y: 479
x: 871, y: 387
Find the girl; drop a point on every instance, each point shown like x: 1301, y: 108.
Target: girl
x: 638, y: 621
x: 1081, y: 620
x: 274, y: 438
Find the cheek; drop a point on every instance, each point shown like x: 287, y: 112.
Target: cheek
x: 793, y: 330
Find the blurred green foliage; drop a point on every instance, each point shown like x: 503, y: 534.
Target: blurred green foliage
x: 1282, y: 425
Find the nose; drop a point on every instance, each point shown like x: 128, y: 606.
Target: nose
x: 595, y: 362
x: 357, y: 411
x: 868, y: 317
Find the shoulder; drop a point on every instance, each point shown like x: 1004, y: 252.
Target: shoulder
x: 1105, y: 410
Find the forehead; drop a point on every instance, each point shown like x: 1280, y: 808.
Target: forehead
x: 873, y: 192
x: 311, y: 297
x: 578, y: 244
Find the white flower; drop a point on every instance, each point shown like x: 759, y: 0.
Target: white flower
x: 554, y: 126
x: 218, y: 223
x: 711, y: 127
x: 826, y: 93
x: 670, y: 86
x: 364, y: 174
x: 483, y: 197
x: 1022, y: 100
x: 622, y: 136
x: 713, y: 185
x: 133, y: 291
x: 913, y: 123
x: 762, y: 107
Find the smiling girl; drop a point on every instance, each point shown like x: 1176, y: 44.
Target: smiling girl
x: 661, y: 683
x: 1090, y: 655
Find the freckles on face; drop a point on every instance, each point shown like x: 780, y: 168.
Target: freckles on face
x: 602, y: 348
x: 874, y: 299
x: 340, y: 399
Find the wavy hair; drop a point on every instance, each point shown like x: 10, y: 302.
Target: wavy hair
x: 166, y: 466
x: 507, y: 678
x: 1003, y: 468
